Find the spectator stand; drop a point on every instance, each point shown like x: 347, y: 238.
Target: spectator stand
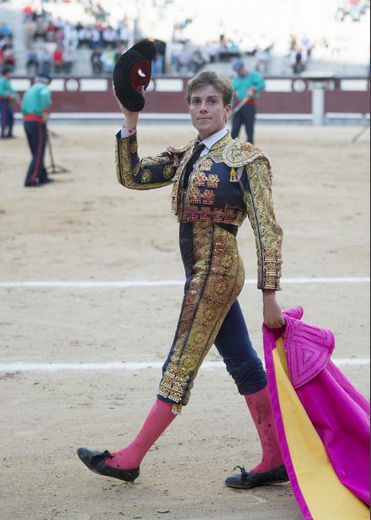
x: 74, y: 38
x: 84, y: 41
x: 82, y: 38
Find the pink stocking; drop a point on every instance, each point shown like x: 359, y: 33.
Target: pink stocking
x: 159, y: 418
x: 261, y: 411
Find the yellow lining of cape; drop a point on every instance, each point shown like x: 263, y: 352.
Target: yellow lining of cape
x: 327, y: 498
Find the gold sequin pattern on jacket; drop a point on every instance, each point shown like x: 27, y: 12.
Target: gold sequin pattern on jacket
x: 268, y: 234
x: 211, y: 196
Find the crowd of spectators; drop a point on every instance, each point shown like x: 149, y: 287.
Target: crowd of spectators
x: 52, y: 43
x: 300, y: 53
x: 354, y: 9
x: 7, y: 58
x: 189, y: 59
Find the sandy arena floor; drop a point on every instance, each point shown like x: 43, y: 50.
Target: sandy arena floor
x: 87, y: 228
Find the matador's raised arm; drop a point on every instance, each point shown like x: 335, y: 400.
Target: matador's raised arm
x: 145, y: 174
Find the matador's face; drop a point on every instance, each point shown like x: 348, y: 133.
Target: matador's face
x: 208, y: 113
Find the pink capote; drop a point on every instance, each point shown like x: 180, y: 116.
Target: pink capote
x: 339, y: 413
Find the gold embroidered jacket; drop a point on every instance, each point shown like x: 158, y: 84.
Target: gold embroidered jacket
x: 214, y: 193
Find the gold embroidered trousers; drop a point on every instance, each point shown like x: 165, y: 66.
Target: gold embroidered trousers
x: 215, y: 277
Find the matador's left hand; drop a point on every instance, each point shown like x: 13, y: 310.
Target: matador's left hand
x: 272, y: 312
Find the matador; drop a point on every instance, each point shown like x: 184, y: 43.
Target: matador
x: 217, y: 182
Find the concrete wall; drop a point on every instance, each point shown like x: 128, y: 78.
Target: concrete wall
x: 313, y: 100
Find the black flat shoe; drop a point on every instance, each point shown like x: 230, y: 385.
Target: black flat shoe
x: 37, y: 184
x: 249, y: 480
x: 95, y: 461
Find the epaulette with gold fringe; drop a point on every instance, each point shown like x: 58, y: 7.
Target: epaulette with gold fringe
x: 237, y: 154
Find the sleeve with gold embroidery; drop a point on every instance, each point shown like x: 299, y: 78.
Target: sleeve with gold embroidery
x: 145, y: 174
x: 268, y: 233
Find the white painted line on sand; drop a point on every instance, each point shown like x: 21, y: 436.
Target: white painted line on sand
x: 130, y: 367
x: 160, y: 283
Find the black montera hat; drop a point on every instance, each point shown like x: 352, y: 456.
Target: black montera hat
x: 132, y: 72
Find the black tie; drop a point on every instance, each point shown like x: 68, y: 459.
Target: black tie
x: 192, y: 161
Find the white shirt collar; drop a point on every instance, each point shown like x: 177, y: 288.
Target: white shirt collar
x: 213, y: 139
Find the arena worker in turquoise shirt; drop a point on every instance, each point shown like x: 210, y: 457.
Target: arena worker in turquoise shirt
x: 36, y: 110
x: 7, y: 94
x: 247, y: 87
x: 37, y: 101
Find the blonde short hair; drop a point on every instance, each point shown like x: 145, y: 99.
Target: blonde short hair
x: 222, y: 85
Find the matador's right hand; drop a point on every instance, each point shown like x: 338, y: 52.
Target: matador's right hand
x: 124, y: 110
